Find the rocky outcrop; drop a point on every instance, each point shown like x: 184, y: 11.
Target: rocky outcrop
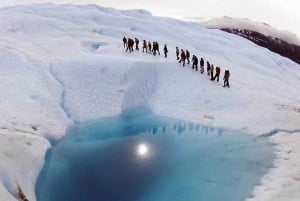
x: 272, y: 43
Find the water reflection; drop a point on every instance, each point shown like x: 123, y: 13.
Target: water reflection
x: 142, y: 150
x: 183, y: 128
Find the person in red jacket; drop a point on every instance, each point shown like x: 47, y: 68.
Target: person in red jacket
x: 217, y: 75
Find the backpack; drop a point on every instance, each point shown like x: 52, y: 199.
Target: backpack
x: 227, y: 74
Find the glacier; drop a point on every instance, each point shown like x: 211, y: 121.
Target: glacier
x: 60, y: 65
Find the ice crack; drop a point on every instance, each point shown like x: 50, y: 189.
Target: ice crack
x: 63, y: 94
x: 278, y: 130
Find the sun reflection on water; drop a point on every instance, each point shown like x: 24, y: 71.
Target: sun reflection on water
x: 142, y: 150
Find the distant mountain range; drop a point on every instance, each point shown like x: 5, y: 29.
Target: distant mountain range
x: 284, y: 43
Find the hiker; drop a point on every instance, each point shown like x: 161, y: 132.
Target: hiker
x: 154, y: 48
x: 212, y: 72
x: 130, y: 44
x: 144, y: 45
x: 177, y: 53
x: 149, y: 47
x: 183, y: 57
x: 187, y: 56
x: 124, y: 42
x: 157, y: 48
x: 218, y: 71
x: 226, y: 78
x: 166, y: 50
x: 136, y: 43
x: 202, y: 65
x: 208, y: 67
x: 195, y: 62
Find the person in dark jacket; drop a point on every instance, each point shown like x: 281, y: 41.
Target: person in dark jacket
x: 212, y: 72
x: 187, y: 54
x: 208, y: 67
x: 177, y: 53
x: 182, y: 57
x: 130, y: 43
x: 166, y: 50
x: 136, y: 43
x: 149, y: 47
x: 217, y: 75
x: 124, y: 41
x: 195, y: 62
x: 144, y: 45
x: 202, y: 65
x: 154, y: 48
x: 226, y: 78
x: 157, y: 48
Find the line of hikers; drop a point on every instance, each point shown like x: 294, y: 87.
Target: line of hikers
x: 185, y: 55
x: 148, y: 47
x: 153, y: 48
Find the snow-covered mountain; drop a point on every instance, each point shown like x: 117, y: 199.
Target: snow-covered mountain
x: 284, y: 43
x: 66, y: 64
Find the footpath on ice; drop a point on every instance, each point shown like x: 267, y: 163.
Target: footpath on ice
x: 61, y: 65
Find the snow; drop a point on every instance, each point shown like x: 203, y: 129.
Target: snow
x: 61, y: 65
x: 283, y: 179
x: 246, y: 24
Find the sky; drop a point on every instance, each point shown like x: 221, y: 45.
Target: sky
x: 282, y: 14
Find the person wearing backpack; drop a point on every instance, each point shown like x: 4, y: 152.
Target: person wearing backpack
x: 195, y: 62
x: 208, y: 67
x: 187, y: 53
x: 217, y: 75
x: 202, y: 65
x: 183, y: 57
x: 154, y: 48
x: 157, y: 48
x: 130, y: 43
x: 136, y: 43
x: 212, y: 72
x: 226, y: 78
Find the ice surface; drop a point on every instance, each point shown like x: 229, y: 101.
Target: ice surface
x: 53, y: 76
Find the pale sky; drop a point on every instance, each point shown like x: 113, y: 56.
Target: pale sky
x: 282, y: 14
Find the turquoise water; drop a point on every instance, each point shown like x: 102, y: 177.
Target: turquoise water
x: 144, y: 157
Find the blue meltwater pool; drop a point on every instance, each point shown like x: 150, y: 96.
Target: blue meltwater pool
x: 144, y: 157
